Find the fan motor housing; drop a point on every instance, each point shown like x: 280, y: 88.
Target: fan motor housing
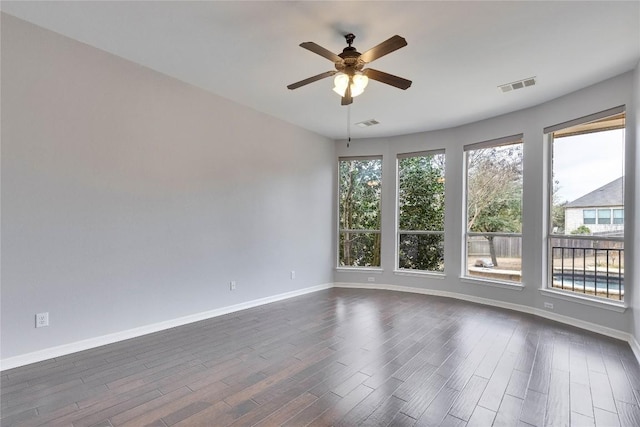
x: 351, y: 61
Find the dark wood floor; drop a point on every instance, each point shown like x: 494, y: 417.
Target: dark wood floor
x: 339, y: 357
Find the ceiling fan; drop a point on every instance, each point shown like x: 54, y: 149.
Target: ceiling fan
x: 350, y: 78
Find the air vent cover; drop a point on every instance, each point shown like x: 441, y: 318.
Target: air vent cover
x: 530, y: 81
x: 368, y: 123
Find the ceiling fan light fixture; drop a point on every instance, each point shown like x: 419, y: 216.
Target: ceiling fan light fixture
x: 349, y: 68
x: 341, y: 81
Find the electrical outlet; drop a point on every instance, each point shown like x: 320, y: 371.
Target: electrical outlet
x: 42, y: 320
x: 371, y: 279
x: 293, y: 274
x: 232, y: 285
x: 548, y: 305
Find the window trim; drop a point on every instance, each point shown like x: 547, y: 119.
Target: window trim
x: 585, y: 119
x: 497, y: 142
x: 494, y: 283
x: 593, y: 301
x: 423, y: 153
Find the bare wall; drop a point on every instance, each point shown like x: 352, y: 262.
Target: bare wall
x: 130, y: 198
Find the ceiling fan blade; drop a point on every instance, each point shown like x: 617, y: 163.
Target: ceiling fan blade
x: 387, y: 78
x: 316, y: 48
x: 386, y: 47
x: 347, y: 98
x: 311, y: 79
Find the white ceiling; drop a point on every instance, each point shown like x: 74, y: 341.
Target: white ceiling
x: 457, y: 53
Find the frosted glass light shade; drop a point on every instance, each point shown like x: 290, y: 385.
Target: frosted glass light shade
x: 341, y: 81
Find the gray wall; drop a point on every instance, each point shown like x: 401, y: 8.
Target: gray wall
x: 634, y: 133
x: 531, y: 122
x: 130, y: 198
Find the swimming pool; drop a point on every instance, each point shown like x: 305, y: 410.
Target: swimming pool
x: 590, y: 282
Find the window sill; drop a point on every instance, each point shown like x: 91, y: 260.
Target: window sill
x: 493, y: 283
x: 419, y: 273
x: 619, y: 307
x: 369, y: 270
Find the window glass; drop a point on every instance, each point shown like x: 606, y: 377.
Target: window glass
x: 360, y: 182
x: 586, y: 244
x: 618, y: 216
x: 421, y: 189
x: 494, y: 210
x: 589, y: 216
x: 604, y: 216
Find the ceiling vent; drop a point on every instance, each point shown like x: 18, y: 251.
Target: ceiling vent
x: 518, y: 85
x: 368, y: 123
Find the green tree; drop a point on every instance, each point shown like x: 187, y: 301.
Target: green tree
x: 421, y: 208
x: 359, y: 188
x: 557, y: 209
x: 583, y: 229
x: 494, y: 192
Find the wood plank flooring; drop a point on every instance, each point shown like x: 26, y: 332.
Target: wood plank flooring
x: 339, y: 357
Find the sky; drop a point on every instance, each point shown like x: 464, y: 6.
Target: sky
x: 584, y: 163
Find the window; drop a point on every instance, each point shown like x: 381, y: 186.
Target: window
x: 587, y: 170
x: 618, y: 216
x: 494, y: 209
x: 360, y: 181
x: 589, y: 216
x: 604, y: 216
x: 421, y: 211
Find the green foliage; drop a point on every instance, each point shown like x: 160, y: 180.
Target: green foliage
x: 359, y: 188
x: 557, y: 217
x: 421, y: 193
x: 583, y: 229
x: 557, y: 210
x: 421, y: 208
x: 421, y: 252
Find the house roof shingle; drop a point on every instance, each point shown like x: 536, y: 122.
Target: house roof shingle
x: 610, y: 194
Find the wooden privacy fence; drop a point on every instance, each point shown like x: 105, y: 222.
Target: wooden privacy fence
x: 511, y: 247
x: 506, y: 247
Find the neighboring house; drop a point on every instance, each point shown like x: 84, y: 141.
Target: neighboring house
x: 601, y: 210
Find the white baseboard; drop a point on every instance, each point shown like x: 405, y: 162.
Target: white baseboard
x: 592, y: 327
x: 62, y: 350
x: 65, y: 349
x: 635, y: 347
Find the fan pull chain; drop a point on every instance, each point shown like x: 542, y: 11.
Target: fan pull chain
x: 348, y: 125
